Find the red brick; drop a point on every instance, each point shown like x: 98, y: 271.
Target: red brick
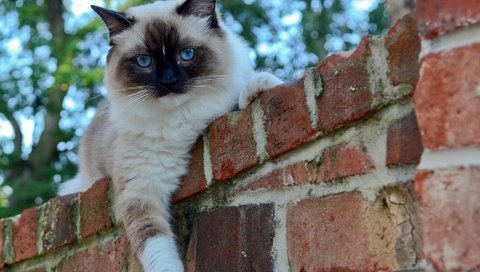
x: 110, y: 256
x: 340, y: 233
x: 94, y: 209
x: 437, y: 17
x: 447, y: 99
x: 450, y: 217
x: 232, y: 146
x: 403, y: 46
x: 346, y: 95
x: 194, y: 182
x: 233, y: 239
x: 57, y: 229
x: 295, y: 174
x: 25, y: 235
x: 404, y: 143
x: 287, y: 120
x: 341, y: 161
x: 2, y: 240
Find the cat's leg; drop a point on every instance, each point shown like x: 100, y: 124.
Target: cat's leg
x: 258, y: 82
x: 144, y: 208
x: 75, y: 185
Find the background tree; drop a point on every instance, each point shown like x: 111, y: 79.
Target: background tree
x: 53, y: 56
x: 45, y: 61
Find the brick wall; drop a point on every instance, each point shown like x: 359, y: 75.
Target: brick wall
x: 327, y: 173
x: 447, y: 104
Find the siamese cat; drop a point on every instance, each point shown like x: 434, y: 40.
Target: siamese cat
x: 173, y: 68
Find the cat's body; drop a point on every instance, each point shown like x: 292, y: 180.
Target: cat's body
x: 160, y: 99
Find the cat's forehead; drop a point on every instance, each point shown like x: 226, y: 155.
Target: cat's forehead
x: 160, y: 21
x: 155, y: 9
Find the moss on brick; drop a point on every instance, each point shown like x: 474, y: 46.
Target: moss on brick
x: 8, y: 251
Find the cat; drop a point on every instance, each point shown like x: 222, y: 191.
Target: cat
x: 173, y: 67
x: 396, y: 9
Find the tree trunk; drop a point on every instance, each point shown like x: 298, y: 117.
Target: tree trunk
x: 44, y: 153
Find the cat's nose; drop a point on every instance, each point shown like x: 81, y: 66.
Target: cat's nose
x: 168, y: 77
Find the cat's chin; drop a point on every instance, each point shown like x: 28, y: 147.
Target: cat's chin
x: 171, y: 96
x: 172, y: 100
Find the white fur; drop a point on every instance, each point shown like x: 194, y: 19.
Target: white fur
x: 77, y: 184
x: 160, y: 255
x: 259, y: 82
x: 148, y: 143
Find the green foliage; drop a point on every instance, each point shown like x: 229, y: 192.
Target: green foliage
x: 378, y: 19
x: 53, y: 79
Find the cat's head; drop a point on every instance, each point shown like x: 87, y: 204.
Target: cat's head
x: 167, y: 51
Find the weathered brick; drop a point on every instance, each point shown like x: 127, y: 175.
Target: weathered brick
x: 295, y: 174
x: 403, y: 210
x: 450, y: 217
x: 287, y: 120
x: 447, y: 99
x: 341, y: 161
x: 341, y: 233
x: 233, y: 239
x: 404, y: 143
x: 2, y: 243
x: 437, y: 17
x: 346, y: 95
x: 56, y: 225
x: 403, y: 46
x: 194, y: 182
x: 94, y: 209
x: 232, y: 146
x: 25, y: 235
x: 109, y: 256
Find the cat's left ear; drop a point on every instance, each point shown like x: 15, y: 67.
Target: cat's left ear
x: 116, y: 22
x: 199, y: 8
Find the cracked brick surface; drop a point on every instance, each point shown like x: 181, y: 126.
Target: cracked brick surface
x: 347, y: 233
x: 404, y: 214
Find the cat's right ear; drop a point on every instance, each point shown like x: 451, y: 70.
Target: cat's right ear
x: 116, y: 22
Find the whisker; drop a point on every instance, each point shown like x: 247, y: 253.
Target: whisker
x: 213, y: 76
x: 133, y: 96
x: 131, y: 88
x: 93, y: 97
x: 130, y: 99
x: 197, y: 89
x: 209, y: 79
x: 121, y: 90
x: 136, y: 99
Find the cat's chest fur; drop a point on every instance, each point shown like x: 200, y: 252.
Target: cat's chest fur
x: 154, y: 146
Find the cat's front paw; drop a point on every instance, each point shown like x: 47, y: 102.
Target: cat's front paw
x: 160, y: 255
x: 260, y: 82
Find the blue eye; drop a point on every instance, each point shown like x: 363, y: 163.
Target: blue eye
x: 144, y: 61
x: 187, y: 54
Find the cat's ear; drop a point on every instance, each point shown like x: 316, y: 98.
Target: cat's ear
x: 200, y: 8
x: 116, y: 22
